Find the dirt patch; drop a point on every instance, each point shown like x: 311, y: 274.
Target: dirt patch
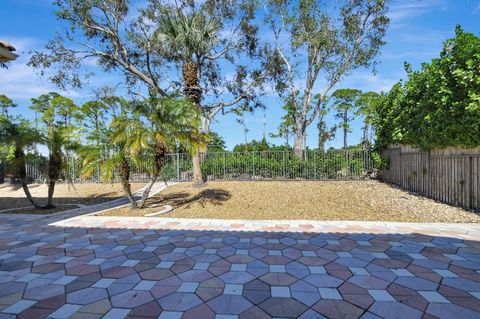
x: 305, y: 200
x: 12, y: 196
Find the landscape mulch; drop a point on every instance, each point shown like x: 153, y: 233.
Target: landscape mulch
x: 12, y: 196
x: 300, y: 200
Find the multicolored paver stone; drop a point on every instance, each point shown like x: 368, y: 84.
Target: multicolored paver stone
x: 84, y: 266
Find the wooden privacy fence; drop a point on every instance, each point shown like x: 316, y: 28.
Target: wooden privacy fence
x: 451, y: 176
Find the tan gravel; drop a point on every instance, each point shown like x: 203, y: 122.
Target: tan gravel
x: 12, y: 196
x: 305, y: 200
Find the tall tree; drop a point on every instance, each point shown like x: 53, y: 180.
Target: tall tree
x: 286, y: 127
x: 94, y: 119
x: 368, y: 103
x: 325, y: 133
x: 191, y: 34
x: 5, y: 105
x: 240, y: 112
x: 346, y: 103
x: 217, y: 143
x: 313, y: 42
x: 201, y: 40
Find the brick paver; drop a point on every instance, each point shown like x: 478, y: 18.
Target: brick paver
x: 114, y: 267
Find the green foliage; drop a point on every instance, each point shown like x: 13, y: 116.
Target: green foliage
x: 181, y: 35
x: 253, y: 146
x: 143, y: 133
x: 284, y: 165
x: 217, y: 143
x: 276, y: 165
x: 346, y: 103
x: 5, y: 104
x: 59, y: 133
x: 439, y: 105
x: 19, y: 138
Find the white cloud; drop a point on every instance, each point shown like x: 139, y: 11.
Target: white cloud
x: 477, y: 9
x: 21, y: 82
x: 403, y: 10
x: 22, y: 45
x: 366, y: 81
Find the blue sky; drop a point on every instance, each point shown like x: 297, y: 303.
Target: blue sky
x: 415, y: 35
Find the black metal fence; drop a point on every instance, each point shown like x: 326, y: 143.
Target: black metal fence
x: 260, y: 165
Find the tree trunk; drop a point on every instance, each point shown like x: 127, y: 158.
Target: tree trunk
x: 198, y: 178
x: 22, y: 174
x: 298, y: 142
x: 345, y: 128
x: 54, y: 166
x: 51, y: 190
x: 192, y: 89
x: 125, y: 180
x: 28, y: 195
x: 159, y: 159
x: 365, y: 136
x: 147, y: 190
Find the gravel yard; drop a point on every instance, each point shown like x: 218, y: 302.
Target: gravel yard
x: 12, y: 196
x: 300, y: 200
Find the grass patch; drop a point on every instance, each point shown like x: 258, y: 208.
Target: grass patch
x: 300, y: 200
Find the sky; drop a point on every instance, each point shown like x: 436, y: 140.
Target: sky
x: 415, y: 35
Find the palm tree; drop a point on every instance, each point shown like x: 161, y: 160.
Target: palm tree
x: 58, y: 134
x: 144, y: 138
x: 59, y: 142
x: 188, y: 38
x: 93, y: 159
x: 19, y: 136
x: 172, y: 120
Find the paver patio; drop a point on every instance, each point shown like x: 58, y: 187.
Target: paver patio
x: 92, y: 267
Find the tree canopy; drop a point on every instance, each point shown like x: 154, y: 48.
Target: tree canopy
x: 438, y: 105
x: 322, y: 46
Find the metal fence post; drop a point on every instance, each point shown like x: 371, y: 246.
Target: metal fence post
x: 283, y: 162
x: 178, y: 167
x: 346, y: 163
x: 253, y: 161
x: 314, y: 164
x: 73, y: 168
x: 224, y: 165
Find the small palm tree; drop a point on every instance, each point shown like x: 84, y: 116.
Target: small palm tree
x: 145, y: 137
x: 172, y: 120
x: 19, y: 137
x: 59, y: 142
x: 93, y: 159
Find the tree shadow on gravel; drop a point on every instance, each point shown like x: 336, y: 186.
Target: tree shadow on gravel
x: 214, y: 196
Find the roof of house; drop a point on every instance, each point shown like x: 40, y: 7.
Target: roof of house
x: 7, y: 45
x: 6, y: 50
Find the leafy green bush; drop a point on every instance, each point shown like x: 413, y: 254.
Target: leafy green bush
x: 439, y: 105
